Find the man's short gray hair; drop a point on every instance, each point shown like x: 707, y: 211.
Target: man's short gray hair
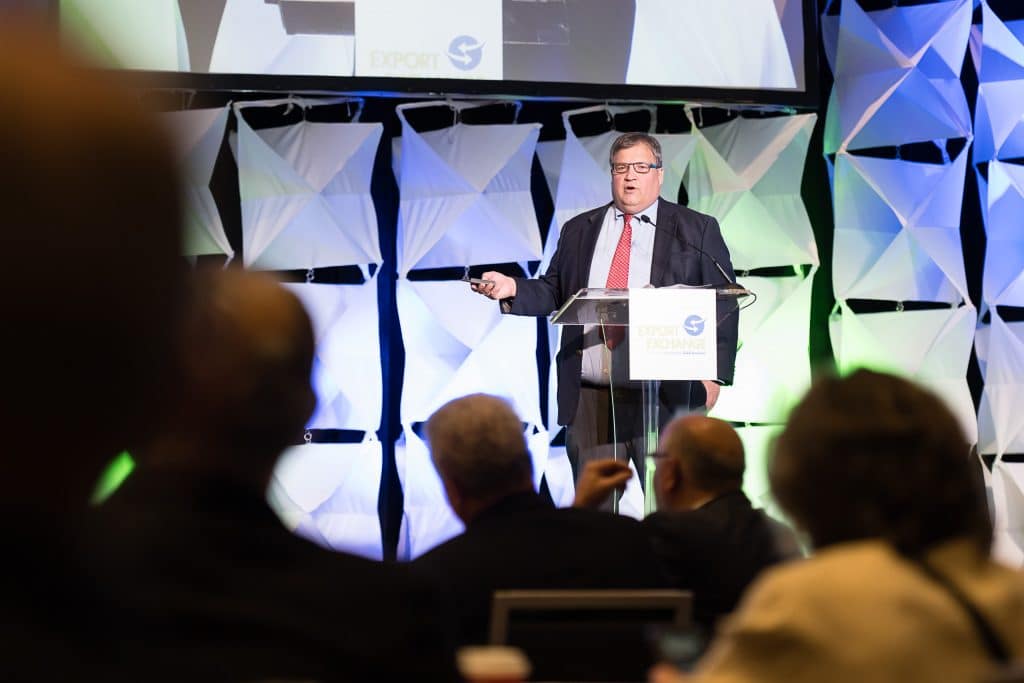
x: 477, y: 444
x: 627, y: 140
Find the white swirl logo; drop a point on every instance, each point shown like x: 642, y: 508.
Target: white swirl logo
x: 465, y: 52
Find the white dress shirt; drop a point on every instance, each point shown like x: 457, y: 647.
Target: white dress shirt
x: 598, y: 359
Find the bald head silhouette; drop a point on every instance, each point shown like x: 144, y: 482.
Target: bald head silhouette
x: 702, y: 457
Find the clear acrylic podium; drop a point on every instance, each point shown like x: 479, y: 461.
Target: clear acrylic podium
x: 610, y: 307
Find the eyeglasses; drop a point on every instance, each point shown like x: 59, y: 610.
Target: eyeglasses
x: 638, y: 166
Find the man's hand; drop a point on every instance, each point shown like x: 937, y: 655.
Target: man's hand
x: 597, y: 481
x: 713, y: 390
x: 503, y: 287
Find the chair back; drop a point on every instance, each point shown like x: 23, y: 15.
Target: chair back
x: 587, y: 635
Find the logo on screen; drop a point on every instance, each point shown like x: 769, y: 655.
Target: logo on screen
x: 465, y: 52
x: 693, y: 325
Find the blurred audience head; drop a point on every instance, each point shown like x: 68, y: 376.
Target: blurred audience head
x: 92, y: 281
x: 699, y: 459
x: 247, y: 349
x: 876, y: 456
x: 479, y: 450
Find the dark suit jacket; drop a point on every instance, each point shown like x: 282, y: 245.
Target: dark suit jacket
x: 524, y: 542
x: 675, y: 261
x: 717, y: 550
x: 211, y: 586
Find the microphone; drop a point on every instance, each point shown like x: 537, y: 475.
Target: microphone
x: 732, y: 287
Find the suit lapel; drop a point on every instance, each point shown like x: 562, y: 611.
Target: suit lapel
x: 588, y: 242
x: 663, y: 236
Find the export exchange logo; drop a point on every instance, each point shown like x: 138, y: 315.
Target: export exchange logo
x: 693, y: 325
x: 465, y: 52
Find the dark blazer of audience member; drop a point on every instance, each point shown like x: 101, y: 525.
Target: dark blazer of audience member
x: 89, y: 298
x: 213, y: 587
x: 876, y: 470
x: 514, y: 538
x: 706, y: 533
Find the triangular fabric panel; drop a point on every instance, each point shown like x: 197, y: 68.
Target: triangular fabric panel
x: 896, y: 65
x: 451, y: 352
x: 897, y: 229
x: 428, y: 520
x: 1003, y: 398
x: 347, y: 368
x: 930, y: 346
x: 198, y: 134
x: 1003, y: 282
x: 767, y: 384
x: 460, y: 207
x: 304, y: 208
x: 328, y: 494
x: 746, y: 173
x: 1002, y: 58
x: 757, y: 442
x: 1008, y: 499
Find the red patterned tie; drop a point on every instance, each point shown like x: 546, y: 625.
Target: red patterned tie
x: 618, y: 276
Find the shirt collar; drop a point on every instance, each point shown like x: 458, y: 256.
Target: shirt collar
x: 651, y: 212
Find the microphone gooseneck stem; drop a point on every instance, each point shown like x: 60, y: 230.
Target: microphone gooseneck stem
x: 644, y: 218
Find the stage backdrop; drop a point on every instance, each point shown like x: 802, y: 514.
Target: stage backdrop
x: 903, y: 301
x: 898, y: 138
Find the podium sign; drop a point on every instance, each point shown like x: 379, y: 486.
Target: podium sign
x: 673, y: 334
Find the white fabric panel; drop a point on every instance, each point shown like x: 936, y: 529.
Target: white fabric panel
x: 767, y: 384
x: 888, y: 73
x: 998, y: 127
x: 757, y: 442
x: 676, y: 152
x: 1008, y: 513
x: 457, y: 343
x: 1003, y: 47
x: 559, y: 477
x: 305, y: 194
x: 631, y: 503
x: 328, y: 494
x: 550, y: 155
x: 461, y: 207
x: 747, y: 174
x: 1000, y: 349
x: 554, y: 339
x: 584, y: 181
x: 931, y: 347
x: 427, y: 520
x: 1003, y: 281
x: 198, y: 134
x: 347, y: 367
x: 897, y: 229
x: 537, y: 443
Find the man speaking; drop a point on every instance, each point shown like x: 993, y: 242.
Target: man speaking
x: 638, y: 240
